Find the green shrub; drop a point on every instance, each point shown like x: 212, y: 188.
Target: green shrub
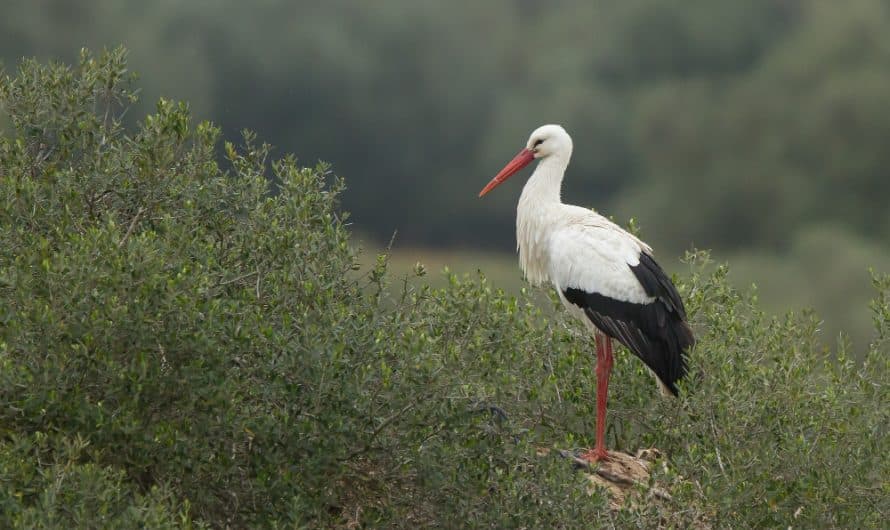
x: 184, y: 344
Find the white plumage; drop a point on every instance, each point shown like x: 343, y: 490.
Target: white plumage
x: 568, y: 245
x: 596, y: 259
x: 604, y: 275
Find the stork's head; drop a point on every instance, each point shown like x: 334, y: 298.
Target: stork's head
x: 545, y: 142
x: 550, y: 140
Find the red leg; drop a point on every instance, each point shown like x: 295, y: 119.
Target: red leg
x: 603, y: 371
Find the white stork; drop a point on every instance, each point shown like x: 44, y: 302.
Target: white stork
x: 604, y: 275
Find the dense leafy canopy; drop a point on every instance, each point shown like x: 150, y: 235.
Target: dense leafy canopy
x: 180, y: 347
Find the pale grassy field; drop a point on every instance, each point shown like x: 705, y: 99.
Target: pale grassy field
x: 501, y: 269
x: 817, y: 273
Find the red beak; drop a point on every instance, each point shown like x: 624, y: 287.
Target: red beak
x: 521, y: 160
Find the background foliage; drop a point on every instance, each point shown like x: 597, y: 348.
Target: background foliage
x: 179, y: 347
x: 754, y: 128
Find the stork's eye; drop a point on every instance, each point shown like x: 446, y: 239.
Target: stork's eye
x: 539, y: 141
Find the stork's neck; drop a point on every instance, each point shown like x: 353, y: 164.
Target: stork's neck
x: 544, y: 186
x: 537, y: 214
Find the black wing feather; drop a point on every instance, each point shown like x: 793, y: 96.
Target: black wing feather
x: 655, y: 332
x: 656, y: 283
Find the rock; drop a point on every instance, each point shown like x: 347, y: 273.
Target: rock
x: 623, y: 475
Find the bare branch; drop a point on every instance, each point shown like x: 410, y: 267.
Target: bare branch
x: 131, y: 227
x: 239, y: 278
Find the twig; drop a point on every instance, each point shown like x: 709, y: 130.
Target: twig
x: 392, y: 418
x: 392, y: 241
x: 239, y: 278
x: 131, y: 227
x: 717, y: 449
x: 380, y: 428
x: 555, y: 383
x: 580, y: 462
x: 495, y: 411
x: 659, y: 493
x: 719, y: 460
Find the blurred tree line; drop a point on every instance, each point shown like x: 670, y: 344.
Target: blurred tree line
x: 751, y: 127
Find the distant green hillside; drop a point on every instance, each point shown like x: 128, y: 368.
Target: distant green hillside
x: 716, y: 123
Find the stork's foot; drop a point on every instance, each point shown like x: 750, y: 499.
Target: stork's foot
x: 595, y: 455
